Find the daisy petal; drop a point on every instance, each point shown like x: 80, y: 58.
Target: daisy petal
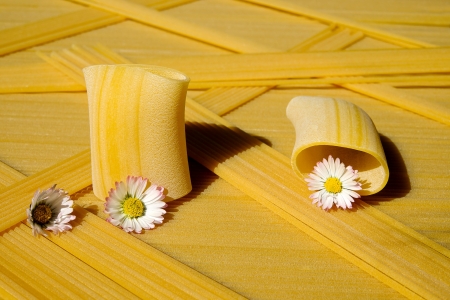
x: 332, y: 166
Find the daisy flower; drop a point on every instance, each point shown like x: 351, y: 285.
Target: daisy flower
x: 133, y: 207
x: 50, y: 210
x: 334, y: 184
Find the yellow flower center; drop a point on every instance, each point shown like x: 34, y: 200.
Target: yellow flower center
x: 133, y: 207
x: 333, y: 185
x: 41, y: 214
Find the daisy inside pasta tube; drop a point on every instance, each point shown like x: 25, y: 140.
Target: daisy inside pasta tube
x: 334, y: 184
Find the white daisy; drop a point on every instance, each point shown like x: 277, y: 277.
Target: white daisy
x: 334, y: 183
x: 133, y: 207
x: 50, y: 210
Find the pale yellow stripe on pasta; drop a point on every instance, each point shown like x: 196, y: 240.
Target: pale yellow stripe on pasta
x: 111, y: 143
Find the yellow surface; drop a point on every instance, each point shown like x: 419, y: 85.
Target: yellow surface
x: 251, y: 231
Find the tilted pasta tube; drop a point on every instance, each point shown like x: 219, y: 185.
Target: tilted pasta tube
x: 326, y: 126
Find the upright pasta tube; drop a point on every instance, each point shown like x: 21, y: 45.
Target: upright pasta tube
x: 326, y: 126
x: 136, y: 115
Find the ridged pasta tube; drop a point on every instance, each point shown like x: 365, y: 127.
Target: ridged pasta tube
x: 326, y: 126
x: 136, y: 115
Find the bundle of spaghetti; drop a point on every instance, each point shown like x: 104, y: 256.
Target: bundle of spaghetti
x: 305, y: 65
x: 8, y: 175
x: 318, y: 37
x: 22, y: 79
x: 27, y: 259
x: 112, y: 251
x: 431, y: 109
x: 82, y: 20
x: 295, y: 8
x: 424, y: 18
x: 32, y: 34
x: 340, y: 40
x: 397, y: 81
x: 151, y: 17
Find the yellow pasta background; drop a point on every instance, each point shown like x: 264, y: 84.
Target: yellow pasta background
x: 247, y: 229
